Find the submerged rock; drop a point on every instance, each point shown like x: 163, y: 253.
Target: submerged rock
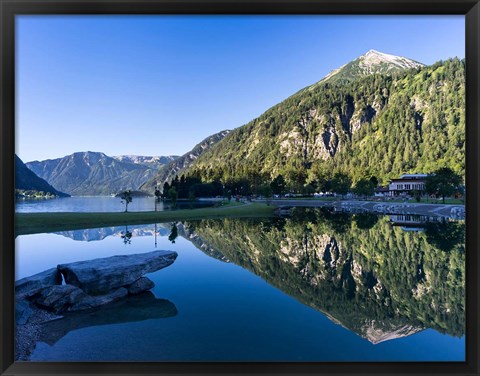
x: 101, y: 276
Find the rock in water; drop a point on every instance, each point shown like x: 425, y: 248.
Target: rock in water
x: 58, y: 298
x: 33, y: 284
x: 140, y: 285
x: 101, y: 276
x: 97, y: 301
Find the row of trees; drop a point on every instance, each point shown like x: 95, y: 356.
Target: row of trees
x: 443, y: 182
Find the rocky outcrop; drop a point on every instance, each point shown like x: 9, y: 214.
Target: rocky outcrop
x: 100, y: 276
x: 88, y: 284
x: 34, y: 283
x: 140, y: 285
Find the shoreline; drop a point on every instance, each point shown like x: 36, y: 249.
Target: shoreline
x: 32, y: 223
x: 453, y: 211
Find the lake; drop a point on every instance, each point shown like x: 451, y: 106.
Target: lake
x: 316, y: 286
x: 98, y: 204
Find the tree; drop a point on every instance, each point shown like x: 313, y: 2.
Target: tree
x: 173, y: 195
x: 166, y: 188
x: 173, y: 233
x: 374, y: 181
x: 266, y: 191
x: 443, y: 182
x: 278, y: 185
x: 364, y: 187
x: 126, y: 197
x: 126, y: 236
x: 158, y: 194
x: 341, y: 183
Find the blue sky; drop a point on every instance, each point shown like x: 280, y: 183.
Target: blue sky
x: 158, y: 85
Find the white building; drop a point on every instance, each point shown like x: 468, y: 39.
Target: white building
x: 407, y: 183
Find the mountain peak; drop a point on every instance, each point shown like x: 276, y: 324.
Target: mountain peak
x: 373, y: 57
x: 371, y: 62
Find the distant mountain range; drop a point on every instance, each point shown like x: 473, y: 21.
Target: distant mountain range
x: 27, y: 180
x: 94, y: 173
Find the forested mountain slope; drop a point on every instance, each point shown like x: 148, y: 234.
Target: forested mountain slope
x: 381, y: 124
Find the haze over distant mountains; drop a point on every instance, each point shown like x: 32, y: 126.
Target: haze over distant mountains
x: 379, y: 114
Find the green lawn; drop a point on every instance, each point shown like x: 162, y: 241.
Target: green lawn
x: 32, y: 223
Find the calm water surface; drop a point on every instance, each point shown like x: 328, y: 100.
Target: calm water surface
x: 96, y: 204
x: 314, y: 287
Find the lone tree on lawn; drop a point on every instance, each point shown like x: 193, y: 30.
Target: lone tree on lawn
x: 126, y: 199
x: 443, y: 182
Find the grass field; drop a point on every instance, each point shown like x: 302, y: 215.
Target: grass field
x: 33, y: 223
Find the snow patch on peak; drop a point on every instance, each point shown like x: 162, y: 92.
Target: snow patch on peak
x: 373, y: 57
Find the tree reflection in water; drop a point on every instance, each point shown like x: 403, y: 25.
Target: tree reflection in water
x: 360, y: 270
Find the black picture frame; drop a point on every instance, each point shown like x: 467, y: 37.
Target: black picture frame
x: 10, y: 8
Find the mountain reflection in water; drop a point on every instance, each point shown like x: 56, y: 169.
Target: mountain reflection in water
x: 363, y: 271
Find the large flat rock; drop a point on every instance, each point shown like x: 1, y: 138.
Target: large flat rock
x: 33, y: 284
x: 101, y: 276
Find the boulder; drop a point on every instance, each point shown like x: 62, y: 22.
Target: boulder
x: 140, y: 285
x: 33, y: 284
x: 58, y: 298
x: 101, y: 276
x: 97, y: 301
x: 67, y: 298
